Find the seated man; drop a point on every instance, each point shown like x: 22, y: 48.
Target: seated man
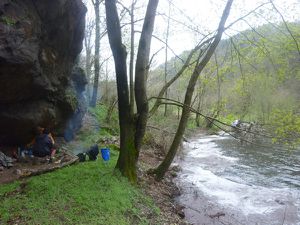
x: 43, y: 144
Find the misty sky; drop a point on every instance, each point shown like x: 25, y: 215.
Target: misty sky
x: 192, y: 18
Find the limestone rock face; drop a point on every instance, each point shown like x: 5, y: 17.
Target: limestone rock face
x: 39, y: 42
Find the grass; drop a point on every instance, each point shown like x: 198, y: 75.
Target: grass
x: 100, y: 112
x: 86, y: 193
x: 87, y: 137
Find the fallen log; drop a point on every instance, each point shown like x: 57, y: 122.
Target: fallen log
x: 50, y: 167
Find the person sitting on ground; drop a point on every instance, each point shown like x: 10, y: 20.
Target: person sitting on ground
x: 53, y: 149
x: 43, y: 144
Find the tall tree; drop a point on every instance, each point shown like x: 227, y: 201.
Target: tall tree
x: 132, y: 127
x: 166, y: 55
x: 202, y: 61
x: 131, y: 63
x: 88, y: 45
x: 96, y: 4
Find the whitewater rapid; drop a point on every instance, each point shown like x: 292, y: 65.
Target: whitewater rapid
x: 216, y: 179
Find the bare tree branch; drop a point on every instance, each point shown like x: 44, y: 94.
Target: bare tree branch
x: 243, y: 17
x: 152, y: 57
x: 286, y: 26
x: 241, y: 55
x: 180, y: 104
x: 179, y: 73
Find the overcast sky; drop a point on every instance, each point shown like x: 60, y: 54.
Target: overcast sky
x: 203, y: 16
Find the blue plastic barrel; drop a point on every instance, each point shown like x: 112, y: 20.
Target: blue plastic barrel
x: 105, y: 154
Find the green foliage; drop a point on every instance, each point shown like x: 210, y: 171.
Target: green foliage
x: 286, y: 128
x: 229, y: 118
x: 191, y: 124
x: 100, y: 113
x: 71, y: 98
x: 263, y: 77
x: 8, y: 20
x: 87, y: 193
x: 254, y: 73
x: 97, y: 132
x: 114, y: 148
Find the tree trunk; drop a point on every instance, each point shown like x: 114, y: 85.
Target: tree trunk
x: 126, y: 161
x: 178, y: 109
x: 88, y: 64
x: 88, y: 49
x: 166, y: 57
x: 198, y: 109
x: 163, y: 167
x: 97, y: 53
x: 131, y: 87
x: 219, y: 106
x: 106, y: 83
x: 141, y: 72
x: 131, y: 130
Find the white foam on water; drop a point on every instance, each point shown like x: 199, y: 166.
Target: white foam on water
x: 238, y: 195
x: 249, y: 199
x: 206, y: 147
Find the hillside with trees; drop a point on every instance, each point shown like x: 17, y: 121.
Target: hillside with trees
x: 150, y: 112
x: 254, y: 76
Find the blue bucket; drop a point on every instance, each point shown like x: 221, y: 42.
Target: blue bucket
x: 105, y: 154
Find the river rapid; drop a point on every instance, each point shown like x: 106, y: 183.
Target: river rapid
x: 224, y: 182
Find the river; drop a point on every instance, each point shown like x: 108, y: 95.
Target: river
x: 224, y: 182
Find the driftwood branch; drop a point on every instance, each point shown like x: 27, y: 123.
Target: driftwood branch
x: 179, y: 104
x: 35, y: 172
x: 213, y: 120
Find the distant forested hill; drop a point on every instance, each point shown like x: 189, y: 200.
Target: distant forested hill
x: 252, y: 76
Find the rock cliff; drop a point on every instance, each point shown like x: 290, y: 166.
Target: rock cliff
x: 39, y: 42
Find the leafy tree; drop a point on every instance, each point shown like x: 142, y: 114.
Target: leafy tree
x: 132, y: 127
x: 96, y: 5
x: 201, y: 63
x: 286, y: 128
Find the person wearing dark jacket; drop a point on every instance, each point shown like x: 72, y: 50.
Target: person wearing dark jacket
x: 43, y: 144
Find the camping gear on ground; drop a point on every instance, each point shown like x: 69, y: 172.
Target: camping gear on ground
x: 105, y: 154
x: 81, y: 157
x: 23, y: 152
x: 93, y: 152
x: 5, y: 160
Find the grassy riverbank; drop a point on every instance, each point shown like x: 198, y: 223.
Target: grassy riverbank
x: 91, y: 192
x: 86, y: 193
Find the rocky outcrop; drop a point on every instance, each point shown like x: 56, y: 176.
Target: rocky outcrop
x: 39, y: 42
